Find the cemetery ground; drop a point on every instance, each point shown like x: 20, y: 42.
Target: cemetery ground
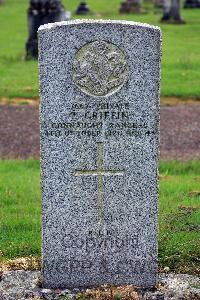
x: 180, y: 62
x: 179, y: 218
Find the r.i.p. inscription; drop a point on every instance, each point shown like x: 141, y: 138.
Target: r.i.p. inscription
x: 99, y: 83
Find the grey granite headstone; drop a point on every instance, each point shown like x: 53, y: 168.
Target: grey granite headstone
x: 99, y: 152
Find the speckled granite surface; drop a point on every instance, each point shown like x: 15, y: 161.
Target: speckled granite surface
x: 99, y: 148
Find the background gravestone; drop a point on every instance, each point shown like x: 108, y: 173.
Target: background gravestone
x: 41, y: 12
x: 158, y: 3
x: 192, y: 4
x: 99, y: 83
x: 83, y: 9
x: 131, y: 6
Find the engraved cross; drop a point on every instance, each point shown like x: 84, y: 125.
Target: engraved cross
x: 100, y: 172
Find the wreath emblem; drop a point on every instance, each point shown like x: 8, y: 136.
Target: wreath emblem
x: 100, y: 68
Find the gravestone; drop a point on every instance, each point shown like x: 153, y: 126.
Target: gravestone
x: 99, y: 84
x: 192, y: 4
x: 83, y: 9
x: 41, y: 12
x: 131, y: 6
x: 158, y: 3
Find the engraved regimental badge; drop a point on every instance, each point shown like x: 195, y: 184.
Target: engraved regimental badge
x: 100, y: 68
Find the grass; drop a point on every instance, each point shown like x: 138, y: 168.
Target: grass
x: 179, y: 213
x: 181, y: 56
x: 19, y: 208
x: 179, y: 216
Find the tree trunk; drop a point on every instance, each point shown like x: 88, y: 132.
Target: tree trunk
x: 172, y: 12
x: 175, y: 11
x: 166, y: 9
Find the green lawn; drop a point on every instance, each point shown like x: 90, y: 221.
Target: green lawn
x: 181, y: 55
x: 179, y: 214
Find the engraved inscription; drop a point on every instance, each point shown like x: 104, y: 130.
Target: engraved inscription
x: 100, y: 119
x: 100, y: 68
x: 113, y: 243
x: 124, y: 265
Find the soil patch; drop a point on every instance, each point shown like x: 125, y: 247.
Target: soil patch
x: 168, y: 101
x: 180, y: 131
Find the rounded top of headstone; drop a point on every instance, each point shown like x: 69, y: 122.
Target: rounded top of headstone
x: 83, y: 22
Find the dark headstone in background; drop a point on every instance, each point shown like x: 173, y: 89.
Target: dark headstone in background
x: 83, y: 9
x: 125, y: 8
x: 41, y: 12
x: 158, y: 3
x: 192, y: 4
x: 131, y: 6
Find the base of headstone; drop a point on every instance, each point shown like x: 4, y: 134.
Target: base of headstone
x: 23, y: 284
x: 83, y: 9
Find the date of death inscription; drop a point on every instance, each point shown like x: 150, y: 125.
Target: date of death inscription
x: 99, y: 120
